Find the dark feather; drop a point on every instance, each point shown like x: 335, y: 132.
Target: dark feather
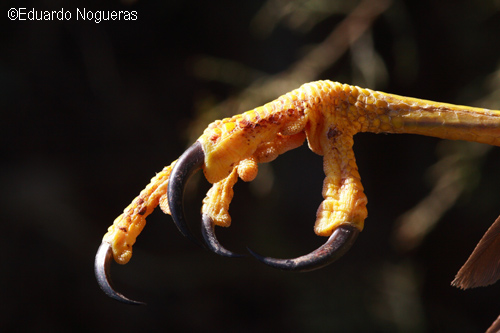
x: 483, y: 266
x: 495, y: 327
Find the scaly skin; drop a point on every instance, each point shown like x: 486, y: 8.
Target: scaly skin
x: 328, y: 114
x: 126, y: 227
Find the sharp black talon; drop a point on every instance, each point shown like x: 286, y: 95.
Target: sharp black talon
x: 208, y: 232
x: 187, y: 165
x: 102, y: 264
x: 335, y: 247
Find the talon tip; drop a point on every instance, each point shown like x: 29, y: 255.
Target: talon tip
x: 208, y: 232
x: 335, y: 247
x: 102, y: 265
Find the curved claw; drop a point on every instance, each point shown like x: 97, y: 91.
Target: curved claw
x: 335, y: 247
x: 208, y: 232
x: 186, y: 166
x: 102, y: 264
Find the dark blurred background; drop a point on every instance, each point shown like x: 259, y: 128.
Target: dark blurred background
x: 90, y: 111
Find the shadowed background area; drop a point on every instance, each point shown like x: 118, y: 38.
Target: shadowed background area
x: 90, y: 111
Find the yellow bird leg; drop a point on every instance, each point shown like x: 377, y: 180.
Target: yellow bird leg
x: 324, y: 111
x: 328, y: 114
x: 327, y: 109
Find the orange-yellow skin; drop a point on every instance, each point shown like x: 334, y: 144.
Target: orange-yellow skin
x: 328, y: 114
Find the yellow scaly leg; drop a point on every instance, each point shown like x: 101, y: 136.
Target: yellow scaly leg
x: 328, y: 114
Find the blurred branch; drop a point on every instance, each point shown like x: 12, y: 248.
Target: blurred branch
x: 308, y: 68
x: 301, y: 15
x: 456, y: 171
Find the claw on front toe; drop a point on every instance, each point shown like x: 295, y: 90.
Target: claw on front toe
x: 207, y: 229
x: 187, y: 165
x: 102, y: 264
x: 335, y: 247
